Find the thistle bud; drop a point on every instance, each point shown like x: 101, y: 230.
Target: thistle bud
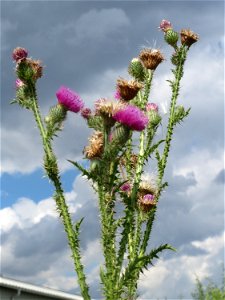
x: 136, y: 69
x: 86, y: 113
x: 151, y: 58
x: 56, y: 115
x: 188, y: 37
x: 19, y: 54
x: 171, y: 37
x: 126, y: 187
x: 152, y: 106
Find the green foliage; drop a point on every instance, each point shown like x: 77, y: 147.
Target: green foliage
x: 209, y: 292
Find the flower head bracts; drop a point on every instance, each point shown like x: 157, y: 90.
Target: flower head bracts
x: 132, y: 117
x: 70, y: 99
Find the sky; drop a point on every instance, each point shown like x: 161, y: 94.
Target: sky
x: 87, y: 46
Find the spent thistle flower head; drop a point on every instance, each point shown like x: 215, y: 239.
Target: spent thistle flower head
x: 132, y: 117
x: 151, y: 58
x: 70, y: 99
x: 128, y: 89
x: 188, y: 37
x: 95, y: 147
x: 19, y: 53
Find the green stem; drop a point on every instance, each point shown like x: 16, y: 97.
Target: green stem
x: 62, y: 207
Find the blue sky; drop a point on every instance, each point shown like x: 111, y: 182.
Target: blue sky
x: 87, y: 46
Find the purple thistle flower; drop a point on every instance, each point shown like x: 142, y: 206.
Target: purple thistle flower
x: 117, y: 95
x: 19, y: 53
x: 126, y: 187
x: 132, y: 117
x: 70, y: 99
x: 86, y: 113
x: 152, y: 106
x: 148, y: 199
x: 165, y: 25
x: 19, y: 83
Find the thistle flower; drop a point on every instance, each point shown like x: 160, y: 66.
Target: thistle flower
x: 126, y: 187
x: 152, y: 107
x: 188, y: 37
x: 147, y: 202
x: 19, y: 53
x: 70, y: 99
x: 86, y: 112
x: 151, y: 58
x: 132, y: 117
x: 165, y: 25
x: 95, y: 147
x: 117, y: 95
x: 128, y: 89
x: 19, y: 83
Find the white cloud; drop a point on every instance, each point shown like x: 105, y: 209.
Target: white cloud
x: 173, y: 277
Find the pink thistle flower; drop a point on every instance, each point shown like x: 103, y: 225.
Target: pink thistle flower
x: 152, y: 106
x: 19, y: 83
x: 132, y: 117
x: 86, y: 113
x: 117, y: 95
x: 165, y: 25
x: 148, y: 199
x: 126, y: 187
x: 19, y: 53
x: 70, y: 99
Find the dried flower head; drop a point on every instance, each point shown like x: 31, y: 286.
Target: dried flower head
x: 188, y: 37
x: 132, y: 117
x: 19, y: 53
x: 70, y: 99
x: 128, y: 89
x: 106, y: 107
x: 95, y: 147
x: 152, y: 107
x: 132, y: 160
x: 165, y: 25
x: 151, y: 58
x: 37, y: 68
x: 86, y: 113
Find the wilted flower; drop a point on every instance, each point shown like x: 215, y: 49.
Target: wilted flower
x: 165, y: 25
x: 95, y: 147
x: 19, y: 83
x: 132, y: 117
x: 188, y: 37
x: 106, y: 107
x: 19, y: 53
x: 151, y: 58
x: 70, y: 99
x: 128, y: 89
x: 152, y: 107
x: 86, y: 113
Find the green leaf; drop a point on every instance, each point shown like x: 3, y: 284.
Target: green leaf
x: 79, y: 167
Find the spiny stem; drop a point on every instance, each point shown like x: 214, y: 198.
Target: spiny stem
x: 61, y: 204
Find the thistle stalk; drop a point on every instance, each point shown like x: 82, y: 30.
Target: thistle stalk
x: 53, y: 174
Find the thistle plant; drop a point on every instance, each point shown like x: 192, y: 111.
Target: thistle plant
x: 117, y: 157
